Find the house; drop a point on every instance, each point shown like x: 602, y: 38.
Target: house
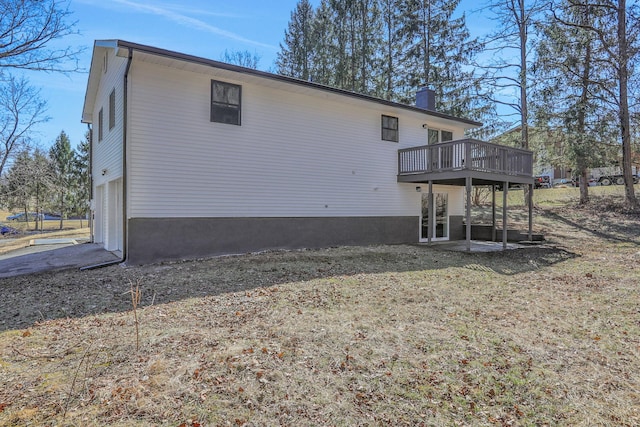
x: 192, y: 157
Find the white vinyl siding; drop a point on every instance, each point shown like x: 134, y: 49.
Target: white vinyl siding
x: 294, y: 155
x: 107, y: 153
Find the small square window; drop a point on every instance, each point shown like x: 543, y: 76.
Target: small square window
x: 390, y: 128
x: 446, y: 135
x: 112, y: 109
x: 225, y: 102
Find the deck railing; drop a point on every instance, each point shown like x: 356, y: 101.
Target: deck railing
x: 465, y: 154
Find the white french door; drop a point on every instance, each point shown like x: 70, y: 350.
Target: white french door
x: 440, y: 210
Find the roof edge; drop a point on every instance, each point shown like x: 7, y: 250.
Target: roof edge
x: 263, y: 74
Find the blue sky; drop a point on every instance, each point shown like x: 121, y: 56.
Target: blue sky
x: 198, y: 27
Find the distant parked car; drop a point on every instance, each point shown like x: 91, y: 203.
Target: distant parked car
x: 5, y: 229
x: 50, y: 216
x: 32, y: 216
x: 22, y: 217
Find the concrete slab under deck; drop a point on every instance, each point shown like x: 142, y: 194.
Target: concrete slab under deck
x: 478, y: 246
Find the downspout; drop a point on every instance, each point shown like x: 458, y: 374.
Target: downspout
x: 125, y: 109
x: 90, y: 132
x: 124, y: 172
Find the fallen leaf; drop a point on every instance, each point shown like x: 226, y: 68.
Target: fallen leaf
x: 26, y: 334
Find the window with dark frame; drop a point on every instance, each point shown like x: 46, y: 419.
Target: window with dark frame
x: 100, y: 124
x: 433, y: 136
x: 226, y: 102
x: 390, y: 129
x: 436, y: 136
x: 112, y: 109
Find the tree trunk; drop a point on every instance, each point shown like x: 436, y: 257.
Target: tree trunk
x: 581, y: 161
x: 61, y: 209
x: 623, y: 75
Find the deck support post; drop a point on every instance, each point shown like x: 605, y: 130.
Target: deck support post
x: 468, y: 188
x: 431, y: 213
x: 530, y: 212
x: 493, y: 213
x: 505, y: 193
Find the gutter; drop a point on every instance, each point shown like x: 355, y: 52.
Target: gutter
x: 125, y: 234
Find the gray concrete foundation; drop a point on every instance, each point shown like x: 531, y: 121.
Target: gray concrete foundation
x: 158, y: 239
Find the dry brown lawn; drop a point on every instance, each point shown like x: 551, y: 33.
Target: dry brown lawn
x: 364, y: 336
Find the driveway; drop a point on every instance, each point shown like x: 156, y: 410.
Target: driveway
x: 53, y: 254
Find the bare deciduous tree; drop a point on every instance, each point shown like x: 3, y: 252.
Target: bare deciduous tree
x: 21, y: 109
x: 510, y: 45
x: 27, y: 30
x: 241, y: 58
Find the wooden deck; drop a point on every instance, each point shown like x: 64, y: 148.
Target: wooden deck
x: 454, y: 161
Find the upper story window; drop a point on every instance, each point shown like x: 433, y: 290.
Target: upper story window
x: 390, y: 131
x: 437, y: 135
x: 225, y: 102
x: 112, y: 109
x: 100, y: 124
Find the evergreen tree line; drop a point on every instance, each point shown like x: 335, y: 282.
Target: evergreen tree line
x: 565, y: 69
x: 387, y: 49
x: 56, y: 182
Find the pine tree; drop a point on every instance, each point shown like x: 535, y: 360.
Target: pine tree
x: 322, y: 30
x: 295, y: 56
x: 81, y: 179
x: 566, y: 100
x: 27, y: 185
x: 62, y: 157
x: 389, y: 49
x: 42, y: 180
x: 438, y: 48
x: 388, y: 82
x: 16, y: 191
